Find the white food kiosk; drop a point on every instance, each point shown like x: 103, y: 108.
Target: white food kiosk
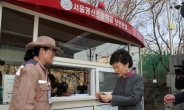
x: 88, y: 36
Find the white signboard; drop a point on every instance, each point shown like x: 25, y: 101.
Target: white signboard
x: 8, y: 87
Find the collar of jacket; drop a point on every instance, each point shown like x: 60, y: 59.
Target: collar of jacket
x: 39, y: 62
x: 129, y: 74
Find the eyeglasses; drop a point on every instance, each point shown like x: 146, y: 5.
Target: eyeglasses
x: 53, y: 50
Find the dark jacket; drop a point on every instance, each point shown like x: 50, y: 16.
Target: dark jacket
x: 128, y: 93
x: 179, y: 98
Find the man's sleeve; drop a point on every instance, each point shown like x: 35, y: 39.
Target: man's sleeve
x: 133, y: 98
x: 27, y: 88
x: 179, y: 98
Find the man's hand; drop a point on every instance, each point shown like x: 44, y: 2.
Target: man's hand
x: 169, y: 98
x: 55, y: 89
x: 66, y: 94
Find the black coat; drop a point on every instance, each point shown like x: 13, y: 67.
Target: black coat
x: 128, y: 93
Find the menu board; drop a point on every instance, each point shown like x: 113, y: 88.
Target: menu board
x: 8, y: 87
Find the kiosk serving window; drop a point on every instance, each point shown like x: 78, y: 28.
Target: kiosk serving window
x: 79, y: 79
x: 107, y: 81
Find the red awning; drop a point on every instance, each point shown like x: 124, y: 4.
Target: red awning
x: 86, y: 15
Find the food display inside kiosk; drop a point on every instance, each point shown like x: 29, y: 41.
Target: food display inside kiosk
x: 75, y: 81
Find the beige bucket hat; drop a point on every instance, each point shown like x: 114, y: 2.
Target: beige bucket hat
x: 44, y: 41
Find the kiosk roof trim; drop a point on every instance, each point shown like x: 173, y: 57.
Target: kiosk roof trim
x: 85, y: 15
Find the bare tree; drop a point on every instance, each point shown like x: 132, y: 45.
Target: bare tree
x: 125, y: 9
x: 92, y: 2
x: 157, y: 36
x: 179, y: 29
x: 156, y: 33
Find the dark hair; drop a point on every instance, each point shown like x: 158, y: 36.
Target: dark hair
x: 52, y: 78
x: 33, y: 52
x: 122, y: 56
x: 2, y: 62
x: 28, y: 55
x: 64, y: 84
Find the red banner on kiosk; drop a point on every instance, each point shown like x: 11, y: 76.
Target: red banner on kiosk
x: 78, y: 7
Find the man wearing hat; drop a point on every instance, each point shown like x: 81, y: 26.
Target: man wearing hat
x: 31, y: 88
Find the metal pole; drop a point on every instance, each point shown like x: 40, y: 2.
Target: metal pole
x: 170, y: 31
x: 170, y: 35
x: 96, y: 57
x: 90, y: 55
